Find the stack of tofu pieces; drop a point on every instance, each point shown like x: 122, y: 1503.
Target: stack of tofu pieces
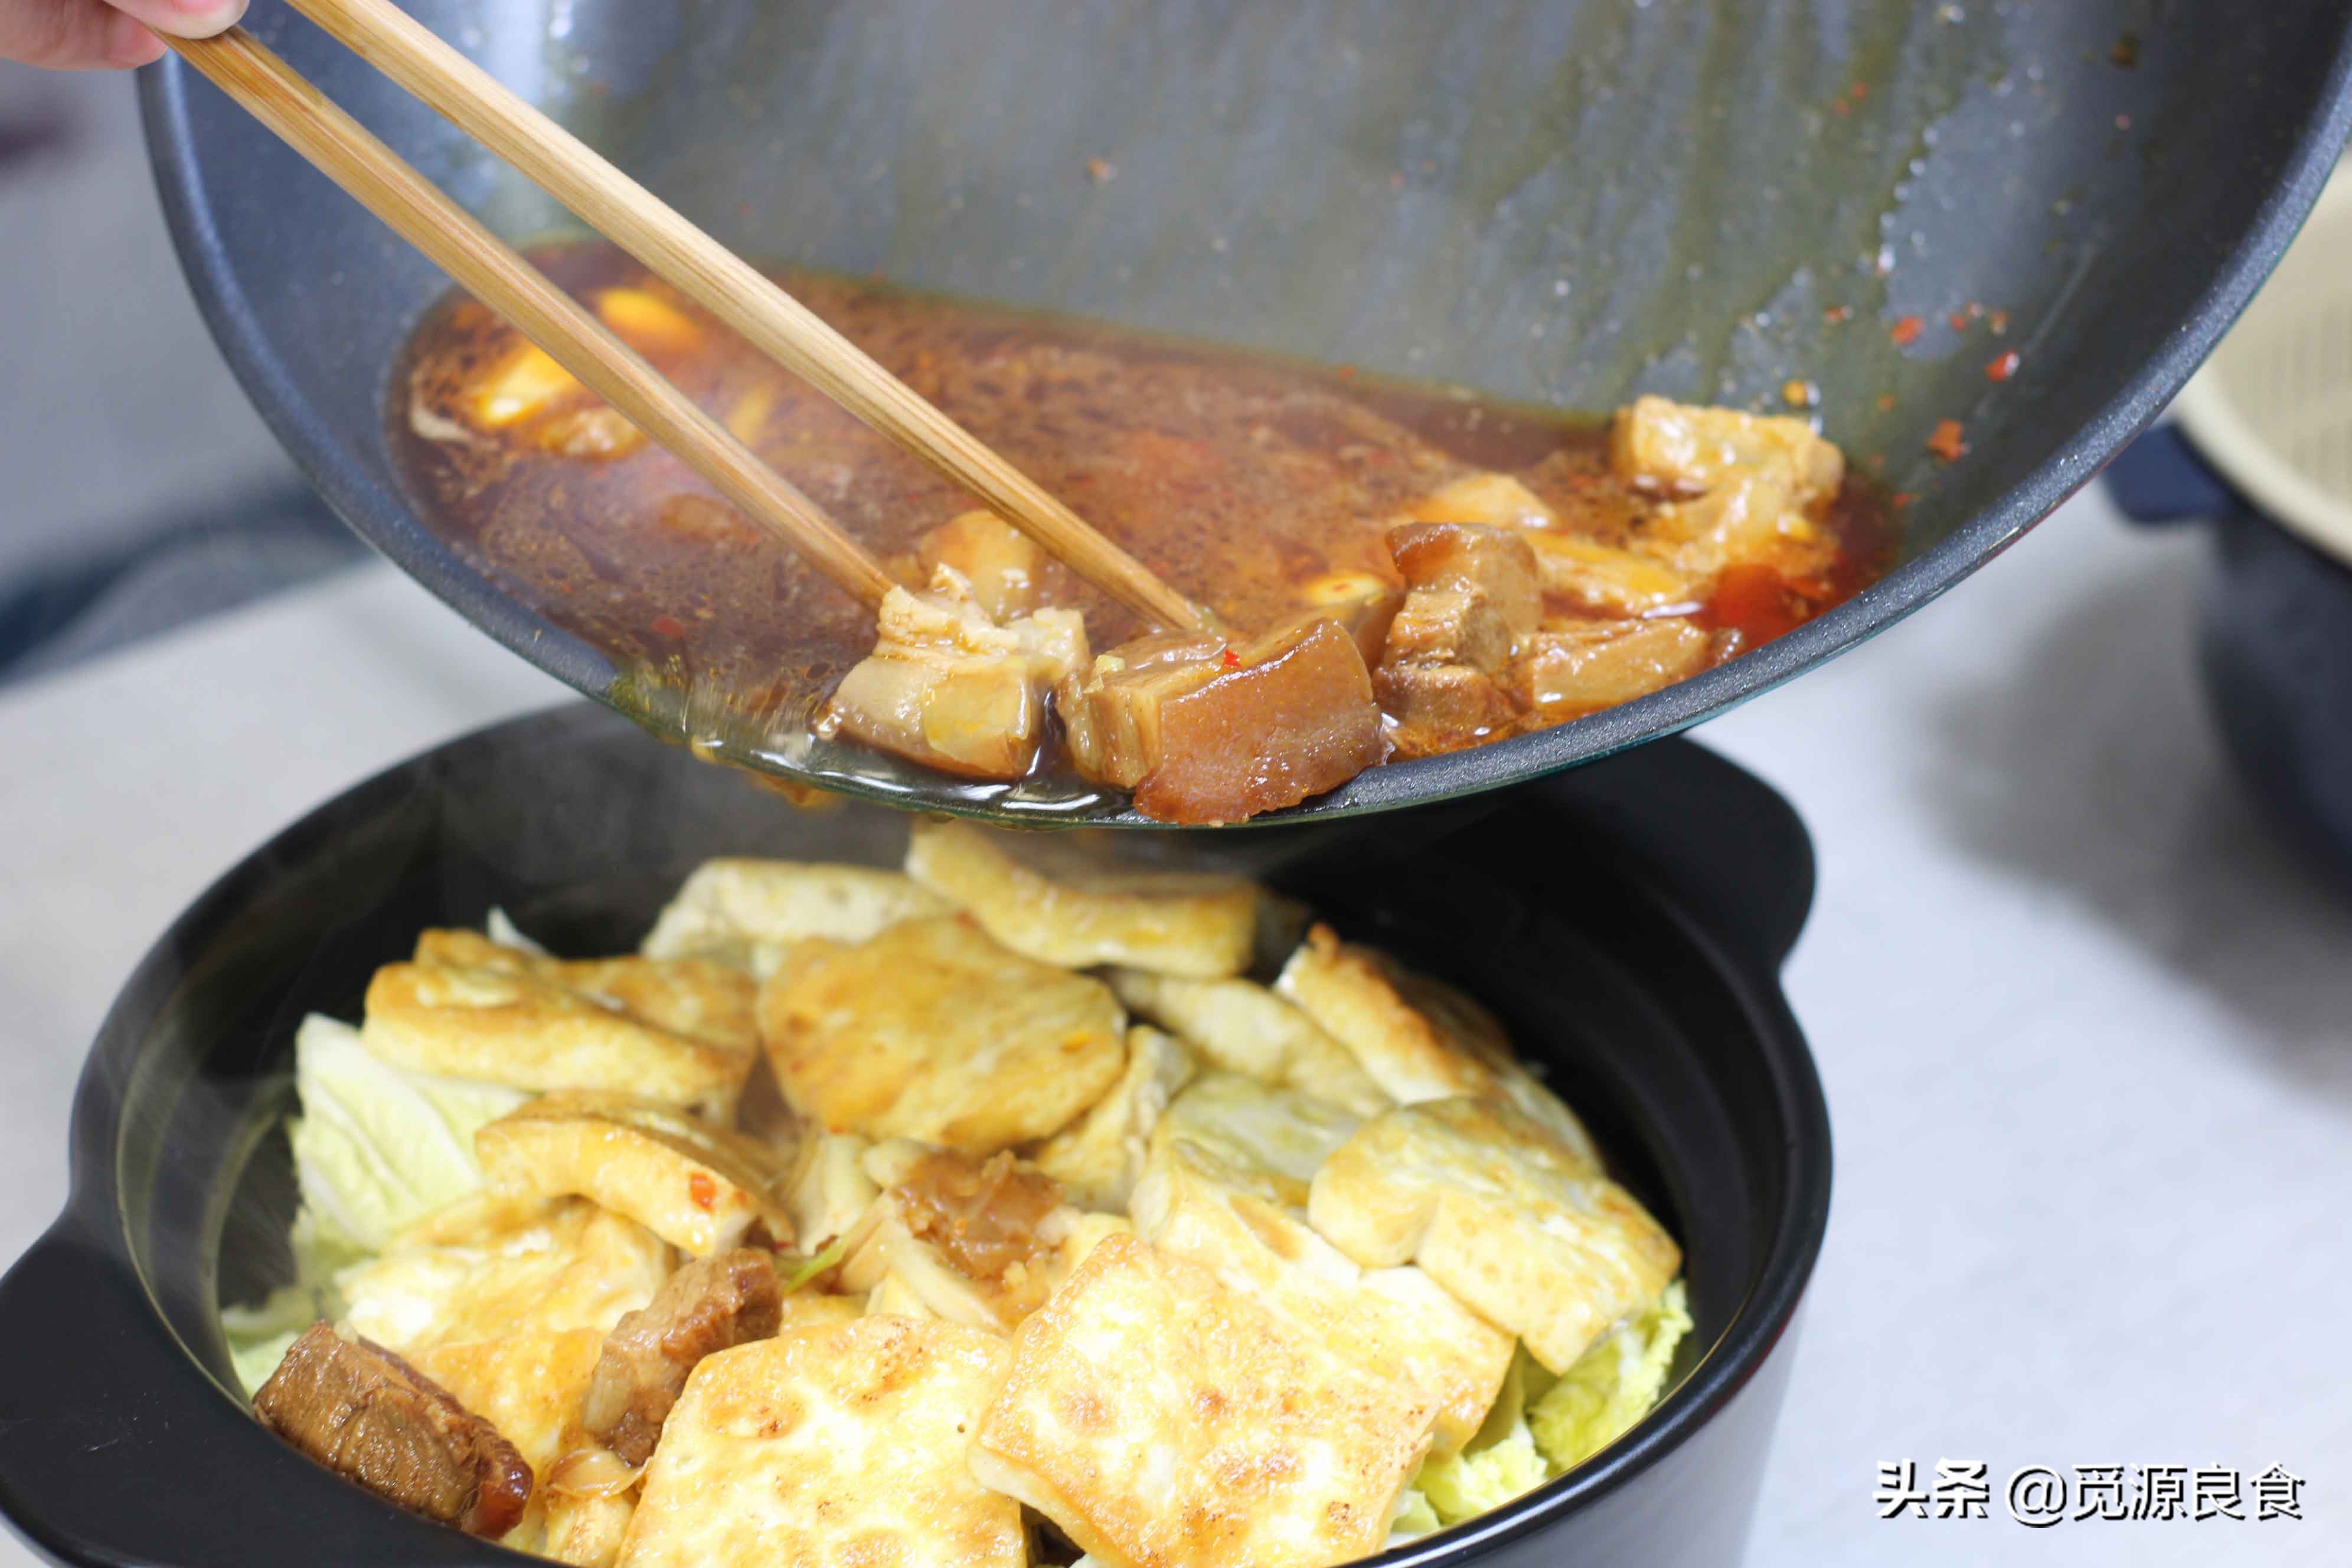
x: 1295, y: 1228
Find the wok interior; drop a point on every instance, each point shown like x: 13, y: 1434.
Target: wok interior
x: 1558, y: 202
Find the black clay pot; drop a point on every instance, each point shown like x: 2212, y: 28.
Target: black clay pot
x: 2274, y: 643
x: 1627, y: 921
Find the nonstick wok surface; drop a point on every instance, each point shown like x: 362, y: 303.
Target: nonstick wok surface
x: 1568, y: 203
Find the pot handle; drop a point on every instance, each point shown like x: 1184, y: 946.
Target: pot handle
x: 116, y: 1448
x: 2159, y: 477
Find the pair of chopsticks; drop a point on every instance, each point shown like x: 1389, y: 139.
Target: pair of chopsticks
x: 699, y: 266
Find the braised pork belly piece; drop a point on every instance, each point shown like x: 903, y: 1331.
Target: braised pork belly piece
x: 712, y: 1304
x: 365, y: 1414
x: 1206, y: 731
x: 950, y: 688
x: 1470, y: 606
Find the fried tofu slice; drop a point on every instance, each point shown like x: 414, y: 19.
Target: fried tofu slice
x: 1239, y: 1220
x: 1416, y: 1039
x: 933, y: 1031
x: 679, y: 1030
x: 1498, y: 501
x: 749, y: 913
x: 1158, y: 1417
x: 1526, y: 1233
x: 1076, y: 917
x: 1099, y: 1158
x: 1280, y: 1136
x: 1243, y: 1027
x: 698, y: 1187
x: 816, y: 1309
x: 492, y: 1266
x: 1604, y: 579
x: 842, y: 1444
x: 1681, y: 449
x: 528, y: 1386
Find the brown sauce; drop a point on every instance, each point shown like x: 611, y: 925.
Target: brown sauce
x: 1236, y: 477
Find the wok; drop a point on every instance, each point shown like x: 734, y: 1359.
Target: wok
x: 1566, y: 202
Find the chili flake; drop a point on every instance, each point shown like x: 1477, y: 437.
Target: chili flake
x: 2002, y: 366
x: 668, y: 625
x: 1231, y: 660
x: 1945, y: 441
x: 702, y: 1191
x: 1906, y: 330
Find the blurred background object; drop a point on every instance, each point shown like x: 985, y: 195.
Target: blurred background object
x: 2263, y: 446
x: 143, y: 490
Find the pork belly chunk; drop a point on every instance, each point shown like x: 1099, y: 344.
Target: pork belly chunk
x: 949, y: 688
x: 1583, y: 667
x: 369, y: 1415
x: 1472, y: 601
x: 1208, y: 731
x: 712, y: 1304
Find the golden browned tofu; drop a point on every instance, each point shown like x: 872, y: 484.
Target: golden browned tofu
x: 1237, y: 1219
x: 950, y: 689
x: 816, y: 1309
x: 489, y: 1266
x: 1528, y: 1234
x: 1241, y: 1027
x: 1058, y: 909
x: 1158, y: 1417
x: 1281, y: 1136
x: 1598, y: 664
x: 933, y: 1031
x: 527, y: 1385
x: 696, y: 1186
x: 1099, y: 1158
x: 748, y: 913
x: 1606, y: 580
x: 1417, y: 1039
x: 679, y: 1031
x: 840, y: 1445
x: 1682, y: 449
x: 1498, y: 501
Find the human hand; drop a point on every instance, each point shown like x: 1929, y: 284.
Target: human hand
x: 102, y: 35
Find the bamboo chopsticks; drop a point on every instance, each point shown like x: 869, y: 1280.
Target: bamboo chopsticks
x: 641, y: 224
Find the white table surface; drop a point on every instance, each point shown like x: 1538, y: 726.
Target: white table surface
x: 2087, y: 1034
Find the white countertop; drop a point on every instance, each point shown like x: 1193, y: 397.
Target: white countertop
x: 2087, y: 1034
